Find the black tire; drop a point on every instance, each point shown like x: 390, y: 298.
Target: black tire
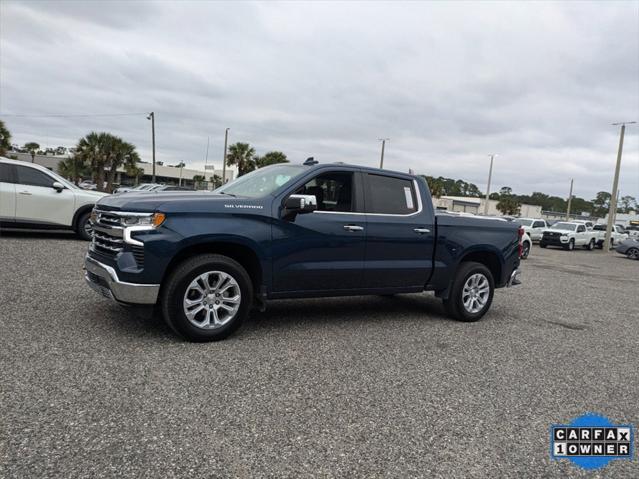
x: 454, y: 304
x: 570, y: 246
x: 543, y: 245
x: 525, y: 250
x: 83, y: 226
x: 632, y: 253
x: 175, y: 288
x: 591, y: 245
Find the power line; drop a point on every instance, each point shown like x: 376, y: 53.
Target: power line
x: 70, y: 115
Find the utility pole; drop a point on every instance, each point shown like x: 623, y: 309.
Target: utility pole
x: 152, y: 118
x: 615, y: 183
x: 490, y: 175
x: 381, y: 161
x: 226, y: 140
x: 569, y: 201
x: 206, y: 157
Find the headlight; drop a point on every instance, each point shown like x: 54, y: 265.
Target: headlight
x: 152, y: 219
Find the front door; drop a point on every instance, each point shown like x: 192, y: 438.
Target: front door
x: 400, y: 233
x: 38, y: 202
x: 323, y: 250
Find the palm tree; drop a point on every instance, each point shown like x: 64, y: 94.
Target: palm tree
x: 91, y: 150
x: 5, y: 139
x: 241, y: 154
x: 270, y: 158
x: 74, y: 168
x: 121, y: 153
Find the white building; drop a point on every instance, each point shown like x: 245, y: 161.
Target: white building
x: 468, y: 204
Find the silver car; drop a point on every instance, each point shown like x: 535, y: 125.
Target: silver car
x: 629, y: 247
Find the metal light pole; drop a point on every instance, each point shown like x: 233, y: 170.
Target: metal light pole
x: 490, y: 175
x: 381, y: 161
x: 152, y: 118
x: 226, y: 140
x: 615, y: 183
x: 569, y: 201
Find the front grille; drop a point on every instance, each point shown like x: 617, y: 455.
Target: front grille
x: 108, y: 239
x: 107, y: 243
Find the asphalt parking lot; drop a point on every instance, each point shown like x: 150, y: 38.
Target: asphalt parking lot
x: 365, y: 386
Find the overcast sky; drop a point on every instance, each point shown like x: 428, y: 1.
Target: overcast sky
x: 537, y: 83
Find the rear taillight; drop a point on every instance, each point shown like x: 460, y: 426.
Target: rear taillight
x: 521, y: 244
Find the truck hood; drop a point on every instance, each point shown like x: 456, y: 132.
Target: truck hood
x: 557, y: 230
x: 181, y: 202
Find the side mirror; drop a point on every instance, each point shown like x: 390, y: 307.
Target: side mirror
x: 57, y: 186
x: 301, y: 203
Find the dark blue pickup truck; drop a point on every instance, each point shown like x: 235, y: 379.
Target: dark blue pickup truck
x: 292, y: 231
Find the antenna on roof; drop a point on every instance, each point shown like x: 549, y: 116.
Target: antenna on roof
x: 311, y: 161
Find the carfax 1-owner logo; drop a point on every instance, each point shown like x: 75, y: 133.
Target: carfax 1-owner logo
x: 591, y: 441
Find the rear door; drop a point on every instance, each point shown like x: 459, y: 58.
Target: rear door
x: 400, y: 233
x: 7, y: 193
x: 323, y: 250
x: 38, y: 202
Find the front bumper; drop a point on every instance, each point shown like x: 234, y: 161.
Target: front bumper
x: 103, y: 279
x: 555, y: 240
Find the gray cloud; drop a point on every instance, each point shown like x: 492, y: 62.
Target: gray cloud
x: 537, y: 83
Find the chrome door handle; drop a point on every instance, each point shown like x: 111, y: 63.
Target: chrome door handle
x: 353, y: 228
x: 421, y: 231
x: 25, y: 193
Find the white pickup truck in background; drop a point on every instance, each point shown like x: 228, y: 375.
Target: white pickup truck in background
x: 617, y: 235
x: 568, y: 235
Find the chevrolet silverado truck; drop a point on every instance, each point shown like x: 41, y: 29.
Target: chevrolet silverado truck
x: 203, y: 259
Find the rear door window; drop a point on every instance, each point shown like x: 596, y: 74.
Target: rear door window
x: 390, y: 195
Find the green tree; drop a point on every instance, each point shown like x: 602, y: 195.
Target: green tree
x: 241, y: 155
x: 509, y: 205
x: 270, y: 158
x: 198, y: 180
x: 122, y: 154
x: 74, y: 168
x: 627, y: 204
x: 601, y: 203
x: 5, y: 139
x: 105, y: 153
x: 435, y: 186
x: 32, y: 147
x: 506, y: 190
x: 216, y: 181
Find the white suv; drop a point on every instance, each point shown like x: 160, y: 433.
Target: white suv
x: 33, y: 197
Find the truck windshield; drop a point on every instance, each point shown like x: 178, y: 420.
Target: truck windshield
x: 525, y: 222
x: 262, y: 182
x: 564, y: 226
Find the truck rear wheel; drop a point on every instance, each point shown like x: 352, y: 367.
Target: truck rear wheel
x: 471, y: 294
x: 206, y: 298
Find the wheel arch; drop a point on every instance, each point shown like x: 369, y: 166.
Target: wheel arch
x: 78, y: 214
x: 488, y: 258
x: 240, y: 252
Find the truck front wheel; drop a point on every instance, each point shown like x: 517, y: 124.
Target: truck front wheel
x: 471, y: 293
x: 206, y: 298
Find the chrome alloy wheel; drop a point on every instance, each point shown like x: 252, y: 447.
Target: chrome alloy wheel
x: 475, y: 293
x: 212, y: 300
